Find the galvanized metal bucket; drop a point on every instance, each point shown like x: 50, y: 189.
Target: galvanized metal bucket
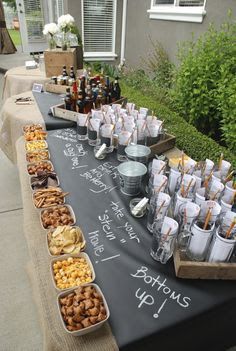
x: 139, y: 153
x: 131, y: 174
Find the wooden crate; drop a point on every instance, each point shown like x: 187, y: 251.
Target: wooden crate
x: 163, y: 145
x: 56, y: 88
x: 202, y: 270
x: 60, y: 112
x: 56, y: 59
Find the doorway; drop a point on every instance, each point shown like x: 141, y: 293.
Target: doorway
x: 33, y: 15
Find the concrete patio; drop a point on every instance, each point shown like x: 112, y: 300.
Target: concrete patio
x: 19, y: 326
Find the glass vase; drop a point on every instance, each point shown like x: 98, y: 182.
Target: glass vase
x: 52, y: 43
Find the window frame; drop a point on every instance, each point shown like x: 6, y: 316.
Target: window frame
x: 94, y: 55
x: 174, y: 12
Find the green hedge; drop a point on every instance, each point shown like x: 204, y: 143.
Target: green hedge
x: 194, y: 143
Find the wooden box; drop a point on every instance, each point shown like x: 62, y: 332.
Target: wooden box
x: 202, y: 270
x: 56, y: 59
x: 163, y: 145
x: 60, y: 112
x: 56, y: 88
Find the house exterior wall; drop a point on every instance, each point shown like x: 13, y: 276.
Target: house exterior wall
x: 169, y: 33
x: 74, y: 8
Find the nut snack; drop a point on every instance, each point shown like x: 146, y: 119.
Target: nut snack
x: 44, y: 180
x: 35, y: 145
x: 84, y: 307
x: 56, y: 216
x: 36, y: 135
x: 65, y: 239
x: 43, y: 166
x: 37, y: 156
x: 32, y: 128
x: 49, y: 197
x: 72, y: 271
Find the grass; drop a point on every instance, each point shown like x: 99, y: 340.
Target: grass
x: 15, y: 36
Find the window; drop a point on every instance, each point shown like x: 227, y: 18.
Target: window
x: 178, y: 10
x: 99, y: 27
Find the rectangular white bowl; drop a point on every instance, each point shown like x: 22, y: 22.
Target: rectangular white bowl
x: 31, y: 152
x: 65, y: 257
x: 68, y: 206
x: 46, y: 145
x: 35, y: 163
x: 92, y: 327
x: 44, y: 208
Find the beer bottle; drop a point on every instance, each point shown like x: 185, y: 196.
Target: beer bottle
x: 117, y: 89
x: 68, y: 100
x: 106, y: 90
x: 64, y: 72
x: 82, y: 86
x: 80, y: 103
x: 100, y: 98
x: 74, y: 95
x: 88, y: 101
x: 72, y: 73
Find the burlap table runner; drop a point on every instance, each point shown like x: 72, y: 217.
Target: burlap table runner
x: 19, y: 79
x: 12, y: 118
x: 55, y: 338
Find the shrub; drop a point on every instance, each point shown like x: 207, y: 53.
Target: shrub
x: 194, y: 143
x: 199, y: 78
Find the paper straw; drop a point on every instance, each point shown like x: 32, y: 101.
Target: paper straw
x: 208, y: 216
x: 163, y: 183
x: 167, y: 234
x: 220, y: 161
x: 230, y: 228
x: 188, y: 187
x: 182, y: 160
x: 161, y: 169
x: 229, y: 177
x: 217, y: 192
x: 159, y: 209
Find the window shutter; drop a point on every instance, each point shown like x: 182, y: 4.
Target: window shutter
x: 34, y: 19
x: 98, y: 25
x: 60, y: 8
x: 191, y: 2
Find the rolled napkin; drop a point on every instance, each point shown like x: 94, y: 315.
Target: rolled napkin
x: 162, y: 204
x: 224, y: 168
x: 208, y: 167
x: 187, y: 185
x: 158, y: 167
x: 215, y: 190
x: 191, y: 212
x: 140, y: 206
x: 209, y: 208
x: 143, y: 111
x: 159, y: 183
x: 169, y: 226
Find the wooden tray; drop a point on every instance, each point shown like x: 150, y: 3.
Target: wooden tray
x: 163, y: 145
x: 56, y: 88
x: 202, y: 270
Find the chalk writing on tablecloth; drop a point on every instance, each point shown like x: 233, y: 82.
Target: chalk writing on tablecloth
x: 75, y: 152
x: 160, y: 289
x: 109, y: 230
x: 95, y: 177
x: 65, y: 134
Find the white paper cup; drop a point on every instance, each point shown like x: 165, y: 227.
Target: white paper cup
x: 221, y: 249
x: 180, y: 201
x: 199, y: 242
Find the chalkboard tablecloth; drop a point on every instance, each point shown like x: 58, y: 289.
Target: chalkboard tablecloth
x: 150, y: 308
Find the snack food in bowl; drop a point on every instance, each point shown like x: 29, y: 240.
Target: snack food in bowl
x: 37, y: 156
x: 83, y: 310
x: 72, y: 270
x: 36, y: 135
x: 56, y: 216
x: 48, y: 197
x: 32, y: 128
x: 65, y: 239
x: 44, y: 180
x: 42, y: 166
x: 36, y: 145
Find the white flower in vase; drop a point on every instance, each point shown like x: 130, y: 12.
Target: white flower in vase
x: 65, y: 22
x: 51, y: 29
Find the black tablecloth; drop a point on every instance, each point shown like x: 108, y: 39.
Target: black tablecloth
x: 44, y: 102
x: 150, y: 308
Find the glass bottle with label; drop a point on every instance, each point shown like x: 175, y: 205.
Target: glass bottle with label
x: 68, y: 100
x: 74, y: 96
x: 80, y: 102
